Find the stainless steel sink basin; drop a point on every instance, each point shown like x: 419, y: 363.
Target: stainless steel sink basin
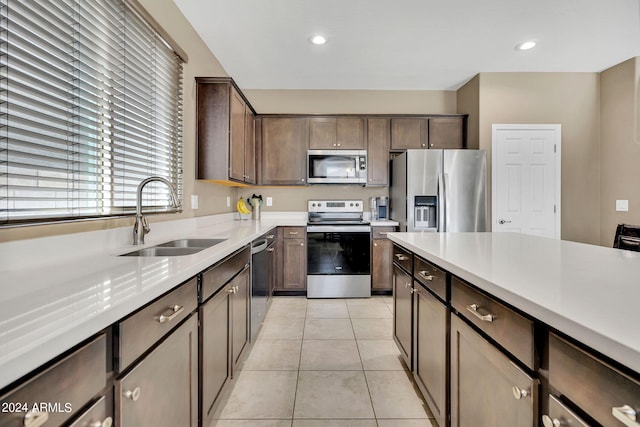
x: 176, y: 247
x: 163, y: 251
x: 191, y: 243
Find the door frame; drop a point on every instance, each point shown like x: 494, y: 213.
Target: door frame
x: 557, y: 128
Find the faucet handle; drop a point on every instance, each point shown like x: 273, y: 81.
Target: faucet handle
x: 145, y: 225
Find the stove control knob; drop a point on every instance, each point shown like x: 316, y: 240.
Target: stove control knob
x: 351, y: 205
x: 313, y: 205
x: 357, y: 204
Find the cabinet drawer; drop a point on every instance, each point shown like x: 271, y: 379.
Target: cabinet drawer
x: 66, y: 386
x: 294, y: 232
x: 140, y: 331
x: 509, y: 329
x: 219, y: 275
x: 590, y: 383
x: 560, y: 415
x: 96, y: 416
x: 431, y: 277
x: 381, y: 232
x: 403, y: 258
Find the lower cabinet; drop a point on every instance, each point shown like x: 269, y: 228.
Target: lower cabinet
x: 403, y: 313
x: 162, y: 388
x: 430, y: 351
x: 487, y: 388
x: 293, y: 265
x: 381, y: 260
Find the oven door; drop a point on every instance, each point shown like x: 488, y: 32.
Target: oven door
x: 338, y: 261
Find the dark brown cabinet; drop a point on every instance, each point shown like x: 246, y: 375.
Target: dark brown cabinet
x: 487, y: 388
x: 446, y: 132
x: 342, y: 133
x: 381, y: 260
x: 225, y: 134
x: 224, y: 326
x: 162, y: 389
x: 430, y: 350
x: 293, y: 265
x: 403, y: 312
x: 378, y: 146
x: 409, y: 133
x: 284, y: 150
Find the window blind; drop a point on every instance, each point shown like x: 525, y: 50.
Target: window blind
x: 90, y: 105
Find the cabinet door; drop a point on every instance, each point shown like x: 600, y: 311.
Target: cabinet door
x: 240, y: 312
x: 294, y: 264
x: 249, y: 147
x: 162, y: 390
x: 322, y: 133
x: 446, y: 132
x: 381, y: 264
x: 350, y: 133
x: 378, y: 139
x: 408, y: 133
x: 402, y: 313
x: 487, y: 389
x: 284, y: 151
x: 237, y: 137
x: 430, y: 367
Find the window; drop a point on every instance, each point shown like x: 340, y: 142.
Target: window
x: 90, y: 105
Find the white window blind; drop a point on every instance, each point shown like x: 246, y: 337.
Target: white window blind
x: 90, y: 105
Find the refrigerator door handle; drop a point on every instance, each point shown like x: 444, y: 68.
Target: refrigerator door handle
x: 442, y: 194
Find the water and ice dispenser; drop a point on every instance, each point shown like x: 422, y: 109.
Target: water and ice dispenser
x: 425, y: 212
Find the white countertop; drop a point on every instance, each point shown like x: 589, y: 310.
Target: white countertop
x: 59, y: 291
x: 588, y: 292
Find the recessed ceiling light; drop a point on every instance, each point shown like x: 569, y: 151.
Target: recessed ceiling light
x: 318, y: 39
x: 526, y: 45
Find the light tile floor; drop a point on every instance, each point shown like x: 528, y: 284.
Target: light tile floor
x: 321, y: 363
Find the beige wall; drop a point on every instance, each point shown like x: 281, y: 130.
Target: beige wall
x: 352, y: 101
x: 569, y: 99
x: 212, y: 197
x: 620, y: 146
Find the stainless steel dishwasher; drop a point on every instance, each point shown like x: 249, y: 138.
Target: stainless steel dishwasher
x: 261, y: 279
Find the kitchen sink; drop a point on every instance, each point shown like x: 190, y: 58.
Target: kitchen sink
x: 191, y: 243
x: 176, y: 247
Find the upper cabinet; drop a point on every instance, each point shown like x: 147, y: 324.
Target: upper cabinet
x: 378, y: 141
x: 428, y: 132
x: 408, y: 133
x: 341, y: 133
x: 284, y: 150
x: 446, y: 132
x: 226, y: 137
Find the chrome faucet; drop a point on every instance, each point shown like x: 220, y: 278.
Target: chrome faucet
x: 141, y: 227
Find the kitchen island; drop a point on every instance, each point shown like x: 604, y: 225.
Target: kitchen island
x: 570, y: 297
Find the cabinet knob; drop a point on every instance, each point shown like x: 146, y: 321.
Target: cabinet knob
x: 375, y: 244
x: 519, y: 393
x: 338, y: 145
x: 35, y: 419
x: 133, y: 395
x: 547, y: 421
x: 108, y: 422
x: 424, y: 145
x: 301, y: 244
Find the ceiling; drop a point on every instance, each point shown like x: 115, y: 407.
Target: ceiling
x: 409, y: 44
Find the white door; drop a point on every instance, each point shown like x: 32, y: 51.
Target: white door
x: 526, y: 179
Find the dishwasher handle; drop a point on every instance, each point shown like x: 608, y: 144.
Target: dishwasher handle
x: 259, y: 246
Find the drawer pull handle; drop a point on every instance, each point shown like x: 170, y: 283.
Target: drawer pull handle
x: 519, y: 393
x: 407, y: 285
x: 425, y: 275
x: 626, y: 414
x: 133, y: 395
x: 108, y: 422
x: 271, y: 249
x: 173, y: 311
x: 473, y: 308
x: 35, y: 419
x: 402, y: 257
x: 548, y: 422
x: 382, y: 233
x: 293, y: 233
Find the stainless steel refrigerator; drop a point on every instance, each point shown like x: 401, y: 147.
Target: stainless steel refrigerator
x: 439, y: 190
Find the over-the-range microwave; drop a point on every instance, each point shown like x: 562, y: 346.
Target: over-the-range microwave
x: 337, y: 167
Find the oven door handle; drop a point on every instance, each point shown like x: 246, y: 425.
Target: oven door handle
x: 338, y: 229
